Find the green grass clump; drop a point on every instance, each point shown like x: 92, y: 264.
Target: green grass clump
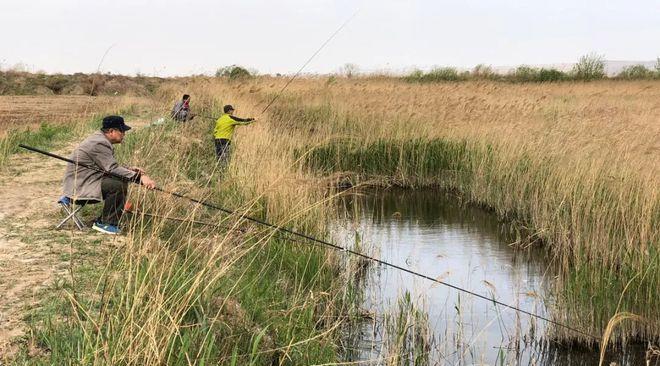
x: 47, y: 136
x: 408, y: 336
x: 407, y: 161
x: 436, y: 75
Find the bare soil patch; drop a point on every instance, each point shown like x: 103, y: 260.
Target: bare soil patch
x: 30, y: 111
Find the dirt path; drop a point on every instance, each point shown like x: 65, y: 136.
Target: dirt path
x: 29, y: 190
x: 32, y: 252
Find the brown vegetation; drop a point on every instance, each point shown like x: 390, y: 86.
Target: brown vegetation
x: 24, y: 83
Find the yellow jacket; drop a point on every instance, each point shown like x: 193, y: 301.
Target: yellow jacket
x: 224, y: 126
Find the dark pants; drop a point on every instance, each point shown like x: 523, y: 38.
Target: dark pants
x: 114, y: 196
x: 222, y: 150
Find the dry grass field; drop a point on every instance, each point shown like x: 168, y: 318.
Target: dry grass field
x: 20, y: 112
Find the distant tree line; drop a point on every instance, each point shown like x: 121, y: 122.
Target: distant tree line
x: 589, y: 67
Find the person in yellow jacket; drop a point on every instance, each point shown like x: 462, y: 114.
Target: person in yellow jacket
x: 224, y: 129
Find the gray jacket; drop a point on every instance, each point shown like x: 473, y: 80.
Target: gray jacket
x: 82, y: 183
x: 179, y: 112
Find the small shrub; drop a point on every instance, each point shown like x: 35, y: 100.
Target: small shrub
x: 589, y: 67
x: 56, y: 83
x: 4, y: 83
x: 437, y: 75
x: 349, y: 70
x: 551, y: 75
x: 525, y: 74
x: 482, y: 71
x: 635, y: 72
x: 443, y: 74
x: 233, y: 72
x: 415, y: 76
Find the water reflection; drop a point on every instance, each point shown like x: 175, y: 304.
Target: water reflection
x: 430, y: 232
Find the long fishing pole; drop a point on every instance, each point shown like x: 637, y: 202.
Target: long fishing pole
x: 196, y: 222
x: 299, y: 70
x: 308, y: 61
x: 182, y: 220
x: 322, y: 242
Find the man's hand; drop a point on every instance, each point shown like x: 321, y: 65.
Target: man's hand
x: 138, y: 170
x: 147, y: 182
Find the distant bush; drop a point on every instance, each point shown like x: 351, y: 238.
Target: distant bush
x: 415, y: 75
x: 482, y: 71
x: 528, y: 74
x: 349, y: 70
x: 551, y: 75
x: 636, y: 72
x: 445, y: 74
x: 4, y: 83
x: 438, y: 74
x: 233, y: 72
x: 589, y: 67
x: 57, y: 83
x: 524, y: 74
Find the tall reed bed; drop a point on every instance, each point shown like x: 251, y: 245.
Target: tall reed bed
x: 575, y: 165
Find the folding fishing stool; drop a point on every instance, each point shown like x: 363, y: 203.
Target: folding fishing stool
x: 71, y: 209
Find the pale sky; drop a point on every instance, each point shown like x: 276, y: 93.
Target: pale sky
x: 184, y: 37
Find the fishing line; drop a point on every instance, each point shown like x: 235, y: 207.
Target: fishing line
x: 319, y: 241
x: 308, y: 61
x: 202, y: 223
x: 182, y: 220
x: 301, y: 68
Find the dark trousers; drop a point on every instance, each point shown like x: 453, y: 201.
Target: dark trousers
x: 114, y: 196
x: 222, y: 150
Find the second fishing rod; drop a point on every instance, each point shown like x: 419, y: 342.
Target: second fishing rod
x: 300, y: 70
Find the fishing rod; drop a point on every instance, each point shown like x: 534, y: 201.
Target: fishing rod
x: 322, y: 242
x: 196, y: 222
x: 299, y: 70
x: 183, y: 220
x: 308, y: 61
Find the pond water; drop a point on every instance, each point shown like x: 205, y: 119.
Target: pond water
x: 432, y: 233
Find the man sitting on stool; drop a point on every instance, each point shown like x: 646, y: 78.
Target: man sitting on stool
x: 84, y: 184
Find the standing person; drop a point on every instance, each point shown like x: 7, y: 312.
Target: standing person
x: 84, y: 184
x: 181, y: 110
x: 224, y: 129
